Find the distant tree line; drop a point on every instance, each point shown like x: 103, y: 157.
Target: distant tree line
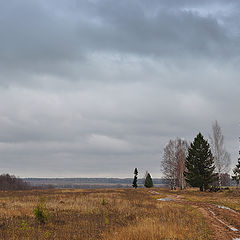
x: 10, y: 182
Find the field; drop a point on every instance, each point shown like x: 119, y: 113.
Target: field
x: 119, y: 214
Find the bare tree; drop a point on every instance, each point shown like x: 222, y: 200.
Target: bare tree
x: 173, y: 162
x: 169, y: 165
x: 10, y: 182
x: 222, y: 158
x: 181, y: 154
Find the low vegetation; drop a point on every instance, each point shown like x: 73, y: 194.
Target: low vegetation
x: 105, y: 214
x: 40, y: 212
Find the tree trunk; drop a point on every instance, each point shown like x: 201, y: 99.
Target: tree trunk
x: 182, y: 181
x: 219, y: 181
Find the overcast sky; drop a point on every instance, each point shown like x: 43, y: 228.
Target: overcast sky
x: 98, y: 87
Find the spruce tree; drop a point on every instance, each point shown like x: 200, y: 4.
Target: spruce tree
x: 199, y: 164
x: 148, y: 181
x: 134, y: 184
x: 236, y: 172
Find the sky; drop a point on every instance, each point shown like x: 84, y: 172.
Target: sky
x: 95, y: 88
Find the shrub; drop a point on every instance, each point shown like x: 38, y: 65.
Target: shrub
x: 40, y: 212
x: 104, y: 202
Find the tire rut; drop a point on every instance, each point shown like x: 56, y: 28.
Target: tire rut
x: 221, y: 227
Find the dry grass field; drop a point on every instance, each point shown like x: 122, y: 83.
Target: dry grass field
x: 119, y: 214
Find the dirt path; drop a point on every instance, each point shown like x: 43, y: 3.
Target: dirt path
x: 221, y: 228
x: 223, y: 222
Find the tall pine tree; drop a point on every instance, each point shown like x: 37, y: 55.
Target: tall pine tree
x: 236, y: 172
x: 199, y: 164
x: 134, y: 184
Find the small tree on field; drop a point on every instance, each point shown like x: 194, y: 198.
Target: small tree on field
x: 148, y: 183
x: 199, y: 164
x: 40, y: 212
x: 134, y: 184
x: 236, y: 172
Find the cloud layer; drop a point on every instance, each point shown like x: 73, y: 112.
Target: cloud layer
x: 97, y: 88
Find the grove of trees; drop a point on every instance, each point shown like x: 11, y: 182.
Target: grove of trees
x: 198, y: 164
x: 10, y: 182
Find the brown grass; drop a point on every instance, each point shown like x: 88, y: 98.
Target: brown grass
x: 229, y: 198
x: 83, y: 214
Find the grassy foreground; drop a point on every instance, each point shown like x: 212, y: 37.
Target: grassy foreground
x: 105, y: 214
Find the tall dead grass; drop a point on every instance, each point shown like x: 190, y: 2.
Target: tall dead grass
x: 82, y: 214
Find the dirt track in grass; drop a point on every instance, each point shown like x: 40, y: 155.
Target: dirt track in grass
x: 223, y: 222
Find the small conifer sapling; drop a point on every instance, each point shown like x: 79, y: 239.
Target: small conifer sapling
x: 148, y: 181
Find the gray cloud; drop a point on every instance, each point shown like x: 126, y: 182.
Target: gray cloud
x: 99, y: 87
